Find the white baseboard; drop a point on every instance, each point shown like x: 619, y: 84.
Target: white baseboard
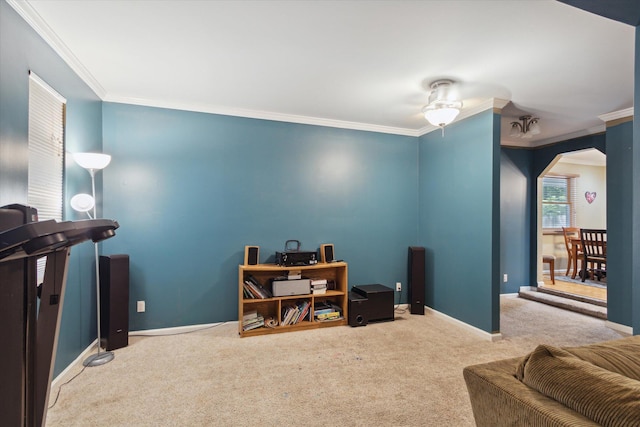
x: 175, y: 330
x: 79, y: 359
x: 496, y: 336
x: 528, y: 288
x: 618, y: 327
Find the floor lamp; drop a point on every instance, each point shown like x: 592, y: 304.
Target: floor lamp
x: 93, y: 162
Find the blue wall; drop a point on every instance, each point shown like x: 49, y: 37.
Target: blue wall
x: 459, y: 219
x: 635, y: 186
x: 515, y: 217
x: 619, y: 222
x: 191, y: 189
x: 23, y: 50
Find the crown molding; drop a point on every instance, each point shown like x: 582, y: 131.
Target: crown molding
x: 264, y: 115
x: 495, y: 104
x: 28, y: 13
x: 584, y: 132
x: 616, y: 117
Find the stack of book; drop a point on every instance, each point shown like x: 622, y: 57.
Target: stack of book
x: 318, y: 286
x: 252, y: 320
x: 325, y: 311
x: 252, y: 289
x: 294, y: 274
x: 295, y: 313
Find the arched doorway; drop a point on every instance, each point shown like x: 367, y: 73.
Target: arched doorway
x: 571, y: 193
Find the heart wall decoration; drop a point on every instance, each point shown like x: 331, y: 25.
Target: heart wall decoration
x: 590, y: 196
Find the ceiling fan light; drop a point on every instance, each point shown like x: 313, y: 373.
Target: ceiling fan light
x: 441, y: 116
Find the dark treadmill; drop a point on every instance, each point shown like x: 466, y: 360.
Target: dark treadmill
x: 30, y: 314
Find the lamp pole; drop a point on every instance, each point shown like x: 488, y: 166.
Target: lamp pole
x: 94, y: 162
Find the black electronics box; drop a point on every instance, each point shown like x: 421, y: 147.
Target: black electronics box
x: 370, y: 303
x: 291, y: 258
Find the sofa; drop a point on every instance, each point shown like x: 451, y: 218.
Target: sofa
x: 591, y: 385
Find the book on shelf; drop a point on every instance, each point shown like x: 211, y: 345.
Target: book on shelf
x: 324, y: 310
x: 249, y: 315
x: 252, y: 320
x: 330, y: 315
x: 255, y: 288
x: 294, y: 274
x: 295, y: 313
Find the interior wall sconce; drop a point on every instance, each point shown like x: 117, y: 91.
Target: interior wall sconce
x: 526, y: 129
x: 93, y: 162
x: 444, y: 106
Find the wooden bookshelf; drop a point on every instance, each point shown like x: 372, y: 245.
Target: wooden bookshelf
x: 273, y: 307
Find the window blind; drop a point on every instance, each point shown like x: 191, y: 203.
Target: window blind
x: 46, y: 153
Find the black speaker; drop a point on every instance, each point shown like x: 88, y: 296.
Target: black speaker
x: 326, y: 253
x: 416, y: 279
x: 251, y: 255
x: 358, y: 306
x: 114, y: 301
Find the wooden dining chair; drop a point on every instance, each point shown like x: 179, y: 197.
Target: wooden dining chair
x: 594, y: 250
x: 570, y: 232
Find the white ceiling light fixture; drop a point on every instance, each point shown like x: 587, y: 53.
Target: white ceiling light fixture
x: 444, y: 106
x: 526, y: 129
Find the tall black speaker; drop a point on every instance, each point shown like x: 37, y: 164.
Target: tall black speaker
x: 114, y: 301
x: 416, y: 279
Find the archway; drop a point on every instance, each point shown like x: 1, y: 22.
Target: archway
x: 571, y: 193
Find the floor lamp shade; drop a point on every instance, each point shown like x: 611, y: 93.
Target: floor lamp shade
x: 95, y: 161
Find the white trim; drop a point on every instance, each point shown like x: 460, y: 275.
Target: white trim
x: 264, y: 115
x: 28, y: 13
x: 567, y: 136
x: 615, y: 115
x: 618, y: 327
x: 496, y: 336
x: 77, y: 360
x: 531, y: 288
x: 175, y: 330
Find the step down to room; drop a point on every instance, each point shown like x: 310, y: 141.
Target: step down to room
x: 565, y: 303
x: 564, y: 294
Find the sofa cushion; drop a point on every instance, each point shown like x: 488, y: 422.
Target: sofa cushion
x: 606, y: 397
x: 621, y: 356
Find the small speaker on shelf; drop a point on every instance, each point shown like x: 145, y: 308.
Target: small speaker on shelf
x: 326, y: 252
x: 251, y: 255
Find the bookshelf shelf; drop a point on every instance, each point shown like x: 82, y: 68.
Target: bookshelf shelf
x: 272, y: 308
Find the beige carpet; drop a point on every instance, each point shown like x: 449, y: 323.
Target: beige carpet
x: 402, y: 373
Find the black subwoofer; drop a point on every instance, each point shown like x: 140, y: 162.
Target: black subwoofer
x: 416, y: 279
x: 358, y: 310
x: 114, y: 301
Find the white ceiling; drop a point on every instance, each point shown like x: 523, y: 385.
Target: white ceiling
x: 353, y: 64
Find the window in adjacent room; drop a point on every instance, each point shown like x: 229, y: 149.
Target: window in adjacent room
x: 46, y: 153
x: 558, y: 202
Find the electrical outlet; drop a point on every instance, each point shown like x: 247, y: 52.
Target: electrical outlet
x: 141, y: 307
x: 398, y: 286
x: 505, y: 278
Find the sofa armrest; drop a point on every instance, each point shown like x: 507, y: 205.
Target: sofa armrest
x: 498, y: 398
